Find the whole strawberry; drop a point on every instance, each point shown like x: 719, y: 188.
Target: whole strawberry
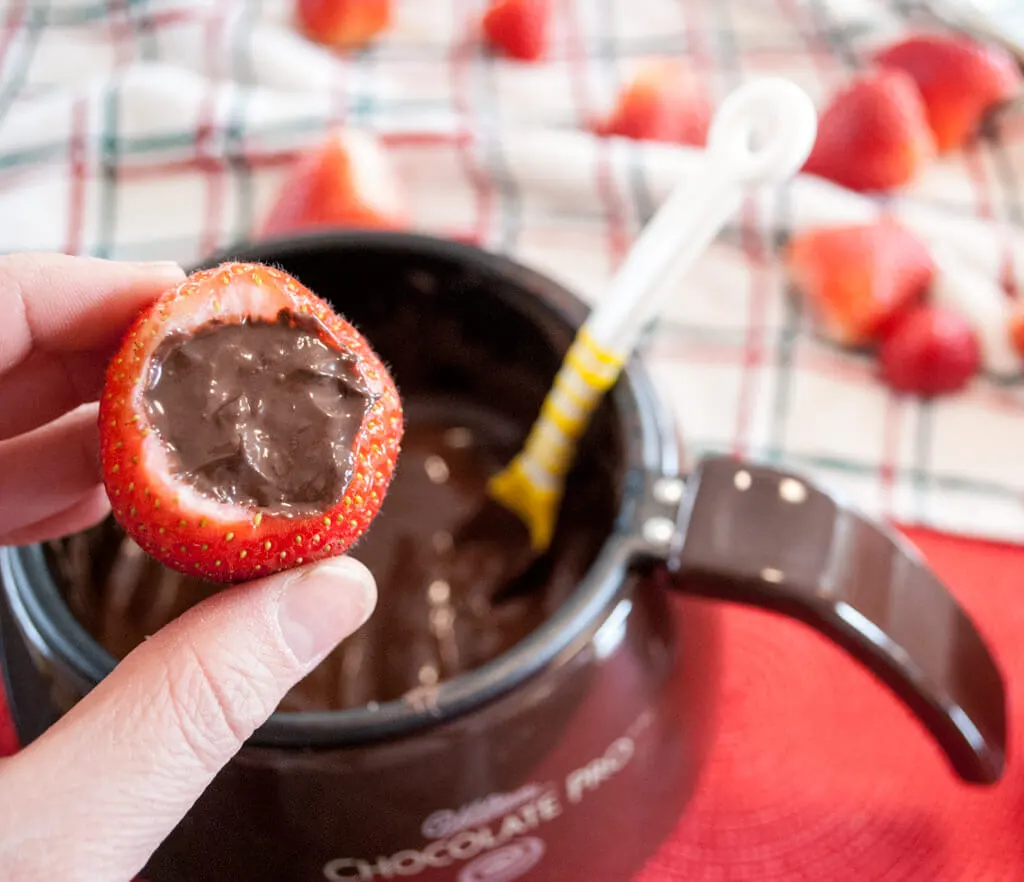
x: 344, y: 24
x: 518, y: 29
x: 959, y: 80
x: 1016, y: 331
x: 245, y: 427
x: 857, y: 279
x: 931, y: 351
x: 874, y: 135
x: 663, y: 102
x: 346, y: 181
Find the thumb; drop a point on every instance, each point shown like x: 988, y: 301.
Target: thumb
x: 95, y: 795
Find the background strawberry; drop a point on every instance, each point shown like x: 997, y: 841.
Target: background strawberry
x: 959, y: 80
x: 663, y: 102
x: 519, y: 28
x: 931, y: 351
x: 1016, y: 330
x: 343, y: 23
x: 857, y: 279
x: 347, y: 181
x: 874, y: 135
x: 196, y: 533
x: 982, y: 301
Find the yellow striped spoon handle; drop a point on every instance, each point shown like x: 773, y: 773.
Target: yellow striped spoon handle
x: 531, y: 485
x: 740, y: 156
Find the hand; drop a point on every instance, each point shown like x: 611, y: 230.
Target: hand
x: 93, y: 797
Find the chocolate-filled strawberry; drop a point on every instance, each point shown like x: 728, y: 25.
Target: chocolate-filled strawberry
x: 245, y: 427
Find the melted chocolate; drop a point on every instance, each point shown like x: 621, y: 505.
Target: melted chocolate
x: 435, y: 617
x: 259, y: 413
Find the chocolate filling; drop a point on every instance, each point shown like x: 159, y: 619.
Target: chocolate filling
x: 258, y: 413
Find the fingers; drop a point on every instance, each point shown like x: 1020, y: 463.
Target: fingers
x: 61, y: 318
x: 46, y: 385
x: 92, y: 508
x: 71, y: 304
x: 45, y: 472
x: 96, y: 794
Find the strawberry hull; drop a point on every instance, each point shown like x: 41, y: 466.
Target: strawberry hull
x: 198, y: 534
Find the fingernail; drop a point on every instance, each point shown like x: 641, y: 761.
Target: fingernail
x: 164, y: 269
x: 323, y: 605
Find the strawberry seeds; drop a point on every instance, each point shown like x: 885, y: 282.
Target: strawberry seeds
x: 245, y: 427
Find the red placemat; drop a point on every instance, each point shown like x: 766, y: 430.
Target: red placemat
x: 819, y: 774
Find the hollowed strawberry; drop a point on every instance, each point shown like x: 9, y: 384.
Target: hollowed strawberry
x: 245, y: 427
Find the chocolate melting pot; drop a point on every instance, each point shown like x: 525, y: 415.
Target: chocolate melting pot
x: 473, y: 341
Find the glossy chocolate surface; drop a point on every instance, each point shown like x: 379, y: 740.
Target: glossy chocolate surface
x: 259, y: 413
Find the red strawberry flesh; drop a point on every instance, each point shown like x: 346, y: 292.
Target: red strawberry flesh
x: 245, y: 427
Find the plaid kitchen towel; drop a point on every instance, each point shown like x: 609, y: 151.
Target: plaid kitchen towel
x: 160, y: 129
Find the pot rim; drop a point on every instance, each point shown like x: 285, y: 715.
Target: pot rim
x: 651, y: 453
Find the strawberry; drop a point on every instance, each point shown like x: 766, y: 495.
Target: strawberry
x: 347, y: 181
x: 979, y: 297
x: 874, y: 135
x: 856, y: 279
x: 960, y: 81
x: 228, y: 537
x: 931, y: 351
x: 343, y: 23
x: 1016, y: 330
x: 519, y: 28
x: 663, y: 102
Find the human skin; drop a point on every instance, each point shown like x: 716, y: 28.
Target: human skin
x: 95, y: 795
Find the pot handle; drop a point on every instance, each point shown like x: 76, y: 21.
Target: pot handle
x: 764, y: 537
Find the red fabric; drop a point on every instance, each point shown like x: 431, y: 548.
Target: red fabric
x: 819, y: 774
x: 8, y: 740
